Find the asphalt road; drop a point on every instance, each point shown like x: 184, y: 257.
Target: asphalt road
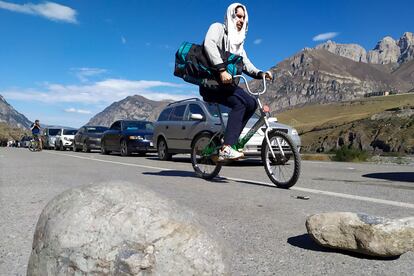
x: 263, y: 228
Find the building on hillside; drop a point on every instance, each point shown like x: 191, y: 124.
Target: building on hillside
x: 379, y: 93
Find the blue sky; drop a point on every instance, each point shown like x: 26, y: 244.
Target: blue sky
x: 64, y: 61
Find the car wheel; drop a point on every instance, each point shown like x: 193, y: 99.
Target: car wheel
x: 124, y: 148
x: 56, y: 147
x: 85, y: 147
x: 103, y: 149
x: 61, y: 146
x: 162, y: 149
x: 75, y: 148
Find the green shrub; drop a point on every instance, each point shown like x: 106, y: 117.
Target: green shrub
x: 346, y: 154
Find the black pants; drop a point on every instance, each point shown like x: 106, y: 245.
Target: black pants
x: 242, y: 108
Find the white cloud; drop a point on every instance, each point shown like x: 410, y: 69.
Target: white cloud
x: 258, y: 41
x: 84, y: 73
x: 102, y: 92
x: 80, y: 111
x: 123, y: 40
x: 325, y: 36
x: 50, y: 10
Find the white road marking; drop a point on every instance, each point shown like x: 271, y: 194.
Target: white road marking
x: 295, y: 188
x: 362, y: 198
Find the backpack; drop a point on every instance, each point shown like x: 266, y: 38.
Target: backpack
x: 193, y: 66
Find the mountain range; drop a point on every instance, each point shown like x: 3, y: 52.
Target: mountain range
x: 338, y: 72
x: 387, y: 50
x: 132, y: 107
x: 11, y: 117
x: 330, y: 72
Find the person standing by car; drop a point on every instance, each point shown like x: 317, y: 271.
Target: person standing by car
x: 35, y: 128
x: 230, y: 37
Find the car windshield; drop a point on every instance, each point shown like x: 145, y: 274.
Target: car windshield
x: 96, y: 129
x: 53, y: 131
x: 212, y: 108
x: 138, y: 126
x: 69, y: 131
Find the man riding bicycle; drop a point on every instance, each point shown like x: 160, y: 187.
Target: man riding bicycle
x: 230, y: 37
x: 35, y: 128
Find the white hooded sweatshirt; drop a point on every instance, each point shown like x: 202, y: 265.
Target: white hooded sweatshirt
x: 227, y: 37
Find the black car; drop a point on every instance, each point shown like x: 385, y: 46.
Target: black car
x: 88, y: 138
x: 128, y: 136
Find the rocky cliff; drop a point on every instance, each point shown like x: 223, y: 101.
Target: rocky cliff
x: 133, y: 107
x: 406, y: 44
x: 387, y: 50
x: 11, y: 117
x: 351, y: 51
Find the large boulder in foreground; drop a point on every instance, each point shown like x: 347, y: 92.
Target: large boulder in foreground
x: 371, y: 235
x: 120, y: 229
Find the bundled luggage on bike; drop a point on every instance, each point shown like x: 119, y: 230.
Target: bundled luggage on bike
x: 192, y: 65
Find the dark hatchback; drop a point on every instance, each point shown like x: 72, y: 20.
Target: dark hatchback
x: 128, y: 136
x: 88, y: 138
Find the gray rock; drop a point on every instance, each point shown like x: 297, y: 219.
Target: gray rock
x: 351, y: 51
x: 371, y: 235
x: 406, y: 44
x: 120, y: 229
x: 387, y: 51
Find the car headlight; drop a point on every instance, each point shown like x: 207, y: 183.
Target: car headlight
x: 135, y: 137
x: 66, y: 138
x: 294, y: 131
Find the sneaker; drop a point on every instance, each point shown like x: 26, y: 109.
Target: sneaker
x: 228, y: 153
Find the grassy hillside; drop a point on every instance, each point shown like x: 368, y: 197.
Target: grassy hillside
x: 312, y: 117
x: 330, y: 126
x: 9, y: 133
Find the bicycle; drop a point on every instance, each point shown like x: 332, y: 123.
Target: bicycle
x: 279, y: 153
x: 34, y: 145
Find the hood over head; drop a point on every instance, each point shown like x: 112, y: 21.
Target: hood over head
x: 235, y: 38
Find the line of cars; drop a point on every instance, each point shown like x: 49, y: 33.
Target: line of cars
x: 177, y: 126
x: 124, y: 136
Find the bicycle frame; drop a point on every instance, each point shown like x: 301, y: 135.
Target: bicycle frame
x: 208, y: 150
x: 262, y: 121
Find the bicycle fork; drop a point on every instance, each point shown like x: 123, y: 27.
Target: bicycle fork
x: 262, y: 121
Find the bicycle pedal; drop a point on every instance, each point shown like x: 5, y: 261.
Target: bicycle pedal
x: 215, y: 158
x: 225, y: 161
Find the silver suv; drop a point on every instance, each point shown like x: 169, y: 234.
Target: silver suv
x: 180, y: 122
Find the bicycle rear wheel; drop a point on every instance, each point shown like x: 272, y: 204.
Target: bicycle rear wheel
x: 204, y: 154
x: 33, y: 145
x: 283, y: 169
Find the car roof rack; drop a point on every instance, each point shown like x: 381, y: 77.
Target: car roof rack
x: 185, y: 100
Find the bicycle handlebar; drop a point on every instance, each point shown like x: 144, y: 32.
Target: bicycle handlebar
x: 248, y: 88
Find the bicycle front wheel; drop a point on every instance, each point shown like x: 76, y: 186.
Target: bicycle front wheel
x: 204, y: 154
x: 284, y: 168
